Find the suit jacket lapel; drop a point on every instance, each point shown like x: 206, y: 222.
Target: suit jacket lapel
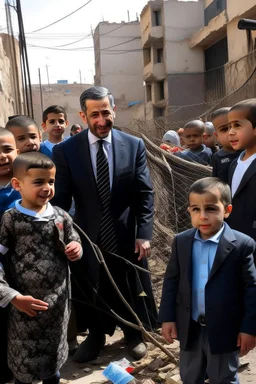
x: 118, y: 157
x: 225, y: 246
x: 248, y: 174
x: 85, y: 163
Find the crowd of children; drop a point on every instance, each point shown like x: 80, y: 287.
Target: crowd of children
x: 209, y: 292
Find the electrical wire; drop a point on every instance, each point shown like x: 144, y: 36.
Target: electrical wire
x: 57, y: 21
x: 84, y: 48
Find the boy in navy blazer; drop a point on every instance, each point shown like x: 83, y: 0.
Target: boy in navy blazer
x: 209, y: 292
x: 242, y: 171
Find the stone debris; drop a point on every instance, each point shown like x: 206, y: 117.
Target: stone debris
x: 87, y: 370
x: 173, y: 379
x: 155, y: 364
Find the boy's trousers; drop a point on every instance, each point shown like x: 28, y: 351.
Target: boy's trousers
x: 197, y: 360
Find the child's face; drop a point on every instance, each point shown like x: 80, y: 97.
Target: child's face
x: 55, y: 125
x: 242, y: 135
x: 8, y: 152
x: 193, y: 138
x: 209, y: 139
x: 36, y: 187
x: 221, y: 128
x: 207, y: 212
x: 27, y: 138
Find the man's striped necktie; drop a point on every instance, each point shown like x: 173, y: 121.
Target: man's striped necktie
x: 108, y: 240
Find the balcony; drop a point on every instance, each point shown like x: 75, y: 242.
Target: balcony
x: 214, y: 31
x: 152, y: 35
x: 154, y: 72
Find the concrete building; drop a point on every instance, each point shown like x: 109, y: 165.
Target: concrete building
x: 119, y: 65
x: 228, y: 52
x: 11, y: 96
x: 166, y: 26
x: 66, y: 95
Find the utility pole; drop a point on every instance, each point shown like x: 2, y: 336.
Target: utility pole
x: 128, y: 13
x: 41, y: 93
x: 47, y: 73
x: 80, y: 76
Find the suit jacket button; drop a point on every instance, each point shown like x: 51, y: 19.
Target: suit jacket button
x: 187, y: 307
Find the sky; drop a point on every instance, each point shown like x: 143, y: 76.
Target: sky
x: 68, y: 61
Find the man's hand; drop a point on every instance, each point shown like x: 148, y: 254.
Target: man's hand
x: 169, y: 332
x: 29, y: 305
x: 73, y: 251
x: 246, y: 343
x: 143, y: 248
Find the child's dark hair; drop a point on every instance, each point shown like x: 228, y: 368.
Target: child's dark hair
x: 195, y: 124
x: 30, y: 160
x: 220, y: 112
x: 54, y: 109
x: 21, y: 121
x: 249, y: 106
x: 208, y: 184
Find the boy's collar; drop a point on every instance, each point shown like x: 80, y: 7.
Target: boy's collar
x: 38, y: 216
x: 5, y: 186
x: 215, y: 238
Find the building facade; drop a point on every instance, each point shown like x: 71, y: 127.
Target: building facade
x: 229, y: 53
x: 66, y: 95
x: 166, y: 26
x: 119, y: 65
x: 11, y: 94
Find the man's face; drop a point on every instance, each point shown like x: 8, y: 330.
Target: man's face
x: 99, y: 116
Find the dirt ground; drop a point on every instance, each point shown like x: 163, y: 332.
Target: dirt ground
x: 74, y: 373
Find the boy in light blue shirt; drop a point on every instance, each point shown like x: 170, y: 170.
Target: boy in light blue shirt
x: 209, y: 291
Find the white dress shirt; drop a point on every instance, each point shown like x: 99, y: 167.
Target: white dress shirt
x: 108, y: 150
x: 241, y: 168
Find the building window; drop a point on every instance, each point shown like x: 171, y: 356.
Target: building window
x: 216, y: 57
x: 159, y: 91
x: 214, y: 9
x: 146, y: 56
x: 148, y: 92
x: 159, y: 55
x: 156, y: 18
x: 158, y: 112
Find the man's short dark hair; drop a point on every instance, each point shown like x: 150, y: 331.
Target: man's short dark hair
x: 95, y: 93
x: 30, y: 160
x: 220, y: 112
x: 208, y: 184
x: 21, y: 121
x: 54, y: 109
x: 249, y: 106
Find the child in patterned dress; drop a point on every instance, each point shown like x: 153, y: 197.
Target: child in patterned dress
x: 36, y: 241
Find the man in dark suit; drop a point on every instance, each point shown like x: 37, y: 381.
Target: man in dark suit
x: 105, y: 171
x: 209, y: 292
